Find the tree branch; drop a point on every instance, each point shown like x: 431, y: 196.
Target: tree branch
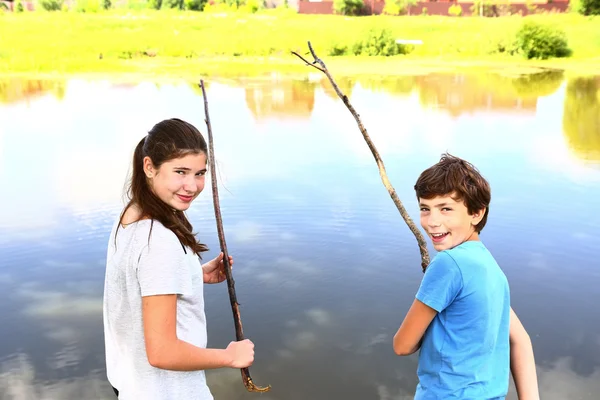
x: 239, y: 333
x: 320, y: 65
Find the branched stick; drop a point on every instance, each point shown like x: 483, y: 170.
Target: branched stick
x: 239, y: 333
x: 320, y: 65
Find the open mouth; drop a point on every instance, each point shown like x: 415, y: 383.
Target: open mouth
x: 438, y: 237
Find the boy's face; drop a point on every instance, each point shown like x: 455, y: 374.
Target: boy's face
x: 447, y: 222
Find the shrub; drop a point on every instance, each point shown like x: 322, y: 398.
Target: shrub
x: 536, y: 40
x: 51, y: 5
x: 177, y: 4
x: 455, y: 10
x: 348, y: 7
x: 155, y: 4
x: 194, y: 5
x: 378, y: 42
x: 337, y: 49
x: 589, y: 7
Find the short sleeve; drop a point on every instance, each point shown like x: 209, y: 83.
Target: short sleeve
x: 163, y: 267
x: 441, y: 284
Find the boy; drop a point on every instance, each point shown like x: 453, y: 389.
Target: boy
x: 461, y: 318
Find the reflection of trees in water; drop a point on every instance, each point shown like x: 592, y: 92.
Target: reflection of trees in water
x: 281, y: 98
x: 402, y: 85
x: 581, y: 117
x: 538, y: 85
x: 16, y: 89
x: 463, y: 93
x: 345, y: 84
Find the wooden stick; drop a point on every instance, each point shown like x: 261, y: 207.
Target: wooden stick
x: 239, y: 333
x: 320, y: 65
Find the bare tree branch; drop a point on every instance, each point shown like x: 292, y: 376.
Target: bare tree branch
x: 320, y: 65
x: 239, y: 333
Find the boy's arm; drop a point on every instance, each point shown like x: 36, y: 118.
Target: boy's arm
x: 522, y: 362
x: 408, y: 338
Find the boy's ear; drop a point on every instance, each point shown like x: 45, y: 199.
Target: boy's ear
x: 477, y: 216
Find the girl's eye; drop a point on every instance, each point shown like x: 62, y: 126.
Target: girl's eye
x: 180, y: 172
x: 201, y: 173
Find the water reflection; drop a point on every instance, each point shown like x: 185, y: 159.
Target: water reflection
x: 460, y: 94
x: 16, y: 89
x: 581, y: 118
x: 325, y: 267
x: 287, y: 99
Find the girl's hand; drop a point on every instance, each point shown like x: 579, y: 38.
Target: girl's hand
x: 214, y: 270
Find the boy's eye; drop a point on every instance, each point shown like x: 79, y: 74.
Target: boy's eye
x: 424, y: 209
x: 446, y: 209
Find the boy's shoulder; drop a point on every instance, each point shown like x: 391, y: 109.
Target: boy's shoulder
x: 471, y: 254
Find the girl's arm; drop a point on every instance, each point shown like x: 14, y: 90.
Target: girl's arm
x: 166, y: 351
x: 522, y: 361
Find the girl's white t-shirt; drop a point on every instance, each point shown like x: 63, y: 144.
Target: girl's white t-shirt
x: 145, y: 263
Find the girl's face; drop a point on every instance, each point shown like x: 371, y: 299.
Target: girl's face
x: 179, y: 181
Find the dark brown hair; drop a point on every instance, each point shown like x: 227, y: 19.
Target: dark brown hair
x: 453, y: 176
x: 167, y: 140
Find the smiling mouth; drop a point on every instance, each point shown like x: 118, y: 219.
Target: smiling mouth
x: 438, y: 237
x: 185, y: 198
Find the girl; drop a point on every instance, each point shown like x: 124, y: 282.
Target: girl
x: 153, y: 310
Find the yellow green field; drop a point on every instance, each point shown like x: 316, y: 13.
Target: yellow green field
x: 186, y: 44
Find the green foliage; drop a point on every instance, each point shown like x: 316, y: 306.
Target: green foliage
x: 194, y: 5
x: 455, y: 10
x: 543, y: 41
x: 589, y: 7
x: 424, y: 11
x: 155, y: 4
x: 337, y: 49
x: 173, y: 4
x: 106, y: 4
x: 348, y: 7
x: 51, y: 5
x: 18, y: 6
x: 378, y: 42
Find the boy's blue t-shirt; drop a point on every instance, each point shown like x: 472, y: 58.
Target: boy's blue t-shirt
x: 465, y: 351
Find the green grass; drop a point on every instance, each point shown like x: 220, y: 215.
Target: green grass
x: 186, y: 44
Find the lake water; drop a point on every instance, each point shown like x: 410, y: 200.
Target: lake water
x: 325, y: 266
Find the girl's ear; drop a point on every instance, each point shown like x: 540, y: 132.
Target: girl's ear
x: 148, y: 167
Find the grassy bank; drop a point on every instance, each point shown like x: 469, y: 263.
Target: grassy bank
x: 185, y: 44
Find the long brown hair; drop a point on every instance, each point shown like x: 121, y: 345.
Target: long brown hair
x: 167, y: 140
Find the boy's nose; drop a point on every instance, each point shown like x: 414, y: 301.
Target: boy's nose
x: 433, y: 222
